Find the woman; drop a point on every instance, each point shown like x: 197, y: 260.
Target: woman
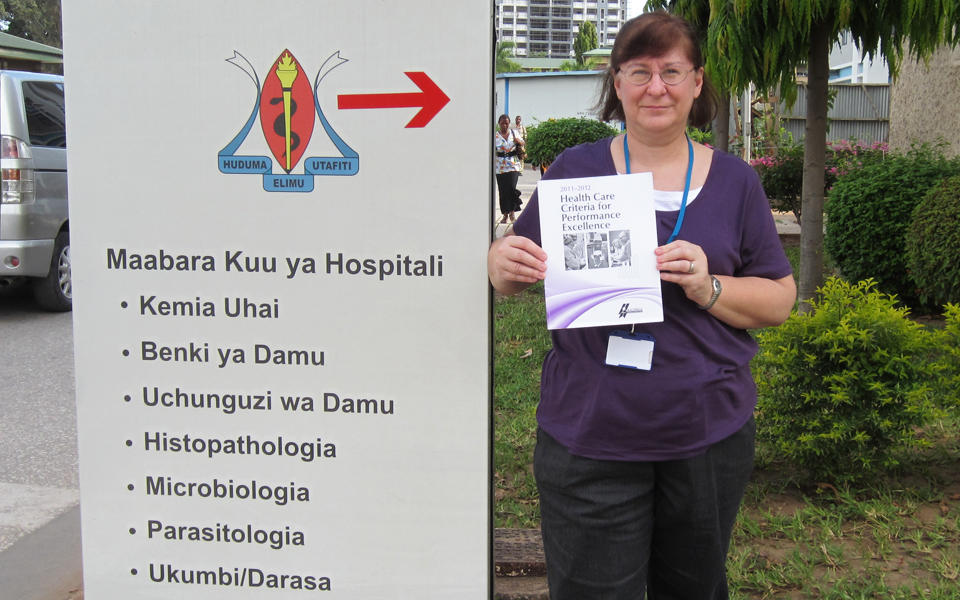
x: 508, y: 167
x: 641, y: 473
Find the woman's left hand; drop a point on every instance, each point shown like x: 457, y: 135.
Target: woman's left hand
x: 745, y: 303
x: 686, y: 265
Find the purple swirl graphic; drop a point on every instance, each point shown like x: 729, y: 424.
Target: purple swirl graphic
x: 566, y: 307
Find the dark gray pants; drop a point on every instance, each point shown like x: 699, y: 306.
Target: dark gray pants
x: 613, y: 530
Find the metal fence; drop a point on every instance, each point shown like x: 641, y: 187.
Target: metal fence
x: 859, y: 111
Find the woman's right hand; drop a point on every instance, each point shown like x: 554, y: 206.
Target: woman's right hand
x: 514, y: 263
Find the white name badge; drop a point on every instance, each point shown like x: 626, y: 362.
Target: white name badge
x: 630, y: 350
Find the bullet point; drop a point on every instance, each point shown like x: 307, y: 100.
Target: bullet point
x: 126, y: 353
x: 133, y: 531
x: 133, y: 571
x: 130, y: 486
x: 129, y: 443
x: 126, y: 398
x: 123, y: 304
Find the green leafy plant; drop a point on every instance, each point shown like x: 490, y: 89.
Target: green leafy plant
x: 700, y: 136
x: 781, y: 171
x: 546, y: 140
x: 948, y: 361
x: 521, y: 342
x: 869, y: 210
x: 781, y: 175
x: 844, y: 385
x: 503, y: 60
x: 933, y: 244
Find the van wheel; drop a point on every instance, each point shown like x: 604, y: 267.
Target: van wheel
x: 55, y: 291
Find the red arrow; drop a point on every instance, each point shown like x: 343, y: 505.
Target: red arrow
x: 430, y: 99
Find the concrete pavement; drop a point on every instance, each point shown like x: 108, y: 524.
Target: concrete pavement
x: 39, y: 495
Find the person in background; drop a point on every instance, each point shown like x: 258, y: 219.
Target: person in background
x: 507, y: 167
x: 641, y: 472
x: 519, y: 129
x: 521, y: 132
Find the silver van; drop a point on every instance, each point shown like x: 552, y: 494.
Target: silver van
x: 34, y: 225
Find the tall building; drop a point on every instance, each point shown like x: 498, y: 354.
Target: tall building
x: 849, y: 65
x: 548, y: 27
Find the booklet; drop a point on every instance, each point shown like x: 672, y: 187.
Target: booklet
x: 600, y: 234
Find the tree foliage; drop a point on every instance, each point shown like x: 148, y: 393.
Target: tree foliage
x: 585, y: 41
x: 504, y: 62
x: 35, y: 20
x: 764, y: 42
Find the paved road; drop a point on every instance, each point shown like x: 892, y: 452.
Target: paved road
x: 38, y: 426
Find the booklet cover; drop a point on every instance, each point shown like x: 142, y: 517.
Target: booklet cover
x: 600, y: 234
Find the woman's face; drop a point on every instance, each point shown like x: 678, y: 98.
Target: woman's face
x: 656, y: 107
x: 504, y: 123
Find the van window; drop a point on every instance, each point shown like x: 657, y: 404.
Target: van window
x: 43, y: 102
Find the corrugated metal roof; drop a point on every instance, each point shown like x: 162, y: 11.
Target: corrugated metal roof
x: 548, y: 74
x: 540, y: 62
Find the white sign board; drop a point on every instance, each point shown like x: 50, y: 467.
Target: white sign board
x: 279, y: 222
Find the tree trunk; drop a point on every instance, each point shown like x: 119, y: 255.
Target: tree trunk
x: 814, y: 156
x: 721, y: 124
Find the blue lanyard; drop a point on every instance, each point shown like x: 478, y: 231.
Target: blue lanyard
x: 686, y: 185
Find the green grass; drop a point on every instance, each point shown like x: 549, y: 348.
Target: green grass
x: 521, y: 342
x: 895, y: 537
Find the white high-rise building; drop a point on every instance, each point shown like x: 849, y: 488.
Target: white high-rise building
x: 849, y: 65
x: 548, y: 27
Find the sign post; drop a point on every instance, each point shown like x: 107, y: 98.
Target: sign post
x: 279, y: 219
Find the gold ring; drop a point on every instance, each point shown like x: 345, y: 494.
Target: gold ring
x: 690, y: 270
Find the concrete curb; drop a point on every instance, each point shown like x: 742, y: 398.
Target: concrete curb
x: 45, y: 565
x: 519, y: 565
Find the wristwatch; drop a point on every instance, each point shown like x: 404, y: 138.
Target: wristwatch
x: 717, y: 288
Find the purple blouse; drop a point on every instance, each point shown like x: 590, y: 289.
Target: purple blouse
x: 700, y: 389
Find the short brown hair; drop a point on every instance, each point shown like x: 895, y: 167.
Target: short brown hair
x: 655, y: 34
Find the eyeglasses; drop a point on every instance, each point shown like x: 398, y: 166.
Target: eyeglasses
x: 642, y: 75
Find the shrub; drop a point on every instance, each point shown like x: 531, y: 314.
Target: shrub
x: 781, y: 172
x: 546, y: 140
x: 868, y: 212
x: 844, y: 156
x: 842, y: 386
x: 781, y: 175
x: 949, y: 356
x: 933, y: 244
